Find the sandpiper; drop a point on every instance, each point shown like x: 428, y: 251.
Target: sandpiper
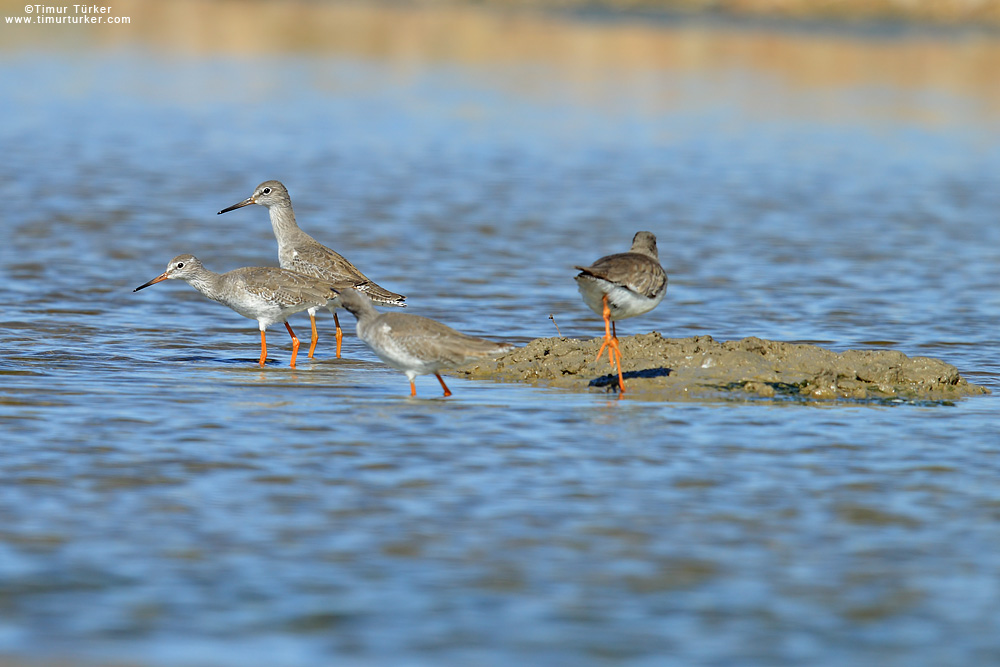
x: 263, y: 293
x: 623, y: 285
x: 413, y: 344
x: 297, y: 251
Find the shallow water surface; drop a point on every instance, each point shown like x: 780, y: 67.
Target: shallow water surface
x: 167, y: 501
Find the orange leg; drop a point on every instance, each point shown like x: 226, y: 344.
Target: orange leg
x: 447, y: 392
x: 621, y: 380
x: 611, y: 343
x: 618, y: 354
x: 263, y: 348
x: 413, y: 389
x: 295, y: 344
x: 312, y: 343
x: 607, y: 333
x: 340, y: 333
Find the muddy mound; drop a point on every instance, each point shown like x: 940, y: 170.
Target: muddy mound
x: 700, y: 367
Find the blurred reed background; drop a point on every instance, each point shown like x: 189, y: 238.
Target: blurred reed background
x: 819, y: 54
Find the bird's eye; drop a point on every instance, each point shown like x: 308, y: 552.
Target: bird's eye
x: 180, y: 265
x: 266, y: 191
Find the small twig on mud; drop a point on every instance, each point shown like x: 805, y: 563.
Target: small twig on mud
x: 556, y: 325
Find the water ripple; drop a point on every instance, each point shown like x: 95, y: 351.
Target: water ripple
x: 160, y: 484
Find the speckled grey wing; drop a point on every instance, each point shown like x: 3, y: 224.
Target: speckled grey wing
x: 430, y: 340
x: 288, y: 288
x: 639, y: 273
x: 322, y: 262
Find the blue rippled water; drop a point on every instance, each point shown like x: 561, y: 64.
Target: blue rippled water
x: 167, y: 501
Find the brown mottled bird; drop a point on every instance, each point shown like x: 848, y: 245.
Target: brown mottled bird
x: 623, y: 285
x: 297, y: 251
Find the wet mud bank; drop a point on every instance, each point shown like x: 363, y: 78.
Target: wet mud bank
x: 703, y: 368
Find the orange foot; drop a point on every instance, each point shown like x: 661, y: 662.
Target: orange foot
x: 447, y: 392
x: 611, y: 342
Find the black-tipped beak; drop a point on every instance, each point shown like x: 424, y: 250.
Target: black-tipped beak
x: 162, y: 276
x: 245, y: 202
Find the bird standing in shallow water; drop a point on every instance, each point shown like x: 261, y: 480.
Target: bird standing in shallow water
x: 413, y: 344
x: 263, y: 293
x: 623, y: 285
x: 297, y: 251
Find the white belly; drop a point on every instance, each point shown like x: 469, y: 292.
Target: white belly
x: 379, y: 338
x: 622, y: 302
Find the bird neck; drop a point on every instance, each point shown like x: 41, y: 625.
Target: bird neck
x: 365, y: 312
x: 207, y: 282
x: 283, y: 222
x: 645, y: 249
